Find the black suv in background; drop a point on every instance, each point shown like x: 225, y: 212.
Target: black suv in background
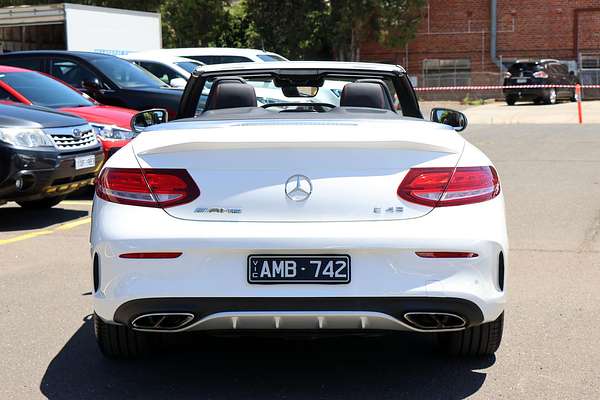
x: 44, y: 155
x: 540, y: 72
x: 108, y: 79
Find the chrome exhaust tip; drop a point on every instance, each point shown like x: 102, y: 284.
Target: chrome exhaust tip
x: 434, y: 321
x: 162, y: 321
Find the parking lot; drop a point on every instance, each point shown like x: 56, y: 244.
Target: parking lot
x: 550, y: 175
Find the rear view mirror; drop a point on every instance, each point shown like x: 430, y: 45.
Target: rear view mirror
x: 92, y: 85
x: 453, y: 118
x: 178, y: 82
x: 147, y: 118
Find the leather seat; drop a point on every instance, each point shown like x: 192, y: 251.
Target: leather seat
x: 230, y: 94
x: 364, y: 94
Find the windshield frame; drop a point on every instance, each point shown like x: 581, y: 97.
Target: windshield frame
x: 407, y: 95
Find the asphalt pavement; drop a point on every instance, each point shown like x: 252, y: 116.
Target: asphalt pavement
x: 551, y: 178
x: 529, y: 113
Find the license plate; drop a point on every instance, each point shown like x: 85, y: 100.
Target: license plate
x: 298, y: 269
x: 85, y: 162
x: 522, y: 80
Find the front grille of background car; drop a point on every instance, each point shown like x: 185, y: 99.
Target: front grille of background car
x: 65, y: 139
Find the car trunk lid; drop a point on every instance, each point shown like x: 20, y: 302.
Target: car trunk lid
x: 297, y: 171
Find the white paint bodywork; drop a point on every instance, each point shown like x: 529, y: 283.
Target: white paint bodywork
x: 355, y: 166
x: 190, y: 52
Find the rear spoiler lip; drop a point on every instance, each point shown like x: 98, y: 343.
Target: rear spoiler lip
x: 418, y: 136
x: 285, y: 144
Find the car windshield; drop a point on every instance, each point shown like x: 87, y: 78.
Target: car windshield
x: 268, y: 94
x: 127, y: 75
x: 44, y: 91
x: 529, y: 66
x: 189, y: 66
x: 270, y: 57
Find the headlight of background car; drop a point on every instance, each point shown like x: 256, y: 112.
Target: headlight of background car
x: 112, y: 132
x: 25, y: 137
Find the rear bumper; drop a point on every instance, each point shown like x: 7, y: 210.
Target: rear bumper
x: 282, y: 313
x: 44, y: 173
x: 526, y: 94
x: 214, y: 263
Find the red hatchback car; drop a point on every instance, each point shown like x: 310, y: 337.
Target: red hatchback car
x: 111, y: 124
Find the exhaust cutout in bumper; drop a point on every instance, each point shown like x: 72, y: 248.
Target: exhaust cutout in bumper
x: 162, y: 322
x: 433, y: 321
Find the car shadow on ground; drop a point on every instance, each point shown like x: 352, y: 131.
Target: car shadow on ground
x: 14, y: 218
x: 85, y: 193
x: 532, y: 104
x: 197, y: 366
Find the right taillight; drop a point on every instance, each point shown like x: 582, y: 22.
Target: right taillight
x: 441, y: 187
x: 540, y: 74
x: 146, y: 187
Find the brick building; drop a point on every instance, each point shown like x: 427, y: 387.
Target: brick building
x: 454, y: 44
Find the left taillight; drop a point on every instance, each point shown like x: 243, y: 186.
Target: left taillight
x: 442, y: 187
x: 146, y: 187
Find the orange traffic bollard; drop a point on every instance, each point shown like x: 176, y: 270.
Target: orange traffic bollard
x: 578, y: 98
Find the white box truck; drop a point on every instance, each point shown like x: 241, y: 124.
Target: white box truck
x: 77, y: 27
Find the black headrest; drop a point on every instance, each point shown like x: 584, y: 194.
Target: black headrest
x: 230, y: 94
x: 386, y: 90
x: 362, y: 94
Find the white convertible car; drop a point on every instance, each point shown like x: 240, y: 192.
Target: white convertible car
x: 299, y: 215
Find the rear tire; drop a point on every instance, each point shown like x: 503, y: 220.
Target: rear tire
x: 511, y: 100
x: 41, y: 204
x: 118, y: 341
x: 551, y: 97
x: 481, y: 340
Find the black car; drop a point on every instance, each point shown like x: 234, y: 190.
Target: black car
x: 108, y: 79
x: 44, y: 155
x: 539, y: 72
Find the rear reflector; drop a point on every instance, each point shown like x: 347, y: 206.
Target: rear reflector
x: 146, y: 187
x: 161, y: 255
x: 441, y: 187
x: 446, y: 254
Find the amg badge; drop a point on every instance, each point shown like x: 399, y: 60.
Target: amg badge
x: 217, y: 210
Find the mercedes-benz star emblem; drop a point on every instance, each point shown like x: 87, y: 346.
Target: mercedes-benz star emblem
x: 298, y: 188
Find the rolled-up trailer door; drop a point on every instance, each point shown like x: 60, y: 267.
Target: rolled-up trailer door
x: 32, y: 28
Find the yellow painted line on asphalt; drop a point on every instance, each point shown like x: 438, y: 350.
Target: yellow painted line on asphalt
x: 31, y: 235
x: 73, y: 224
x: 26, y: 236
x: 76, y: 202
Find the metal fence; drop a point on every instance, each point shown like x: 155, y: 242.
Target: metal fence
x: 589, y: 73
x: 460, y: 79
